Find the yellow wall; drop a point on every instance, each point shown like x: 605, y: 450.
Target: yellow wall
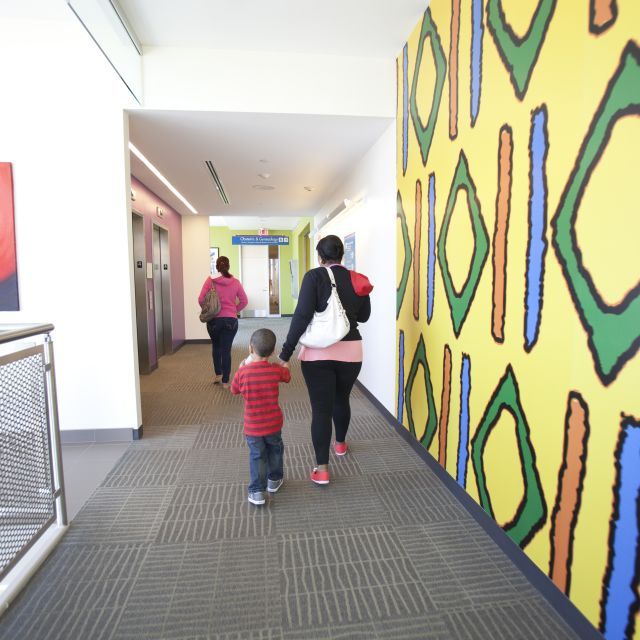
x: 519, y: 277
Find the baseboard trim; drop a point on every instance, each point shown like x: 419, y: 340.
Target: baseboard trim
x: 81, y: 436
x: 565, y: 608
x: 177, y: 346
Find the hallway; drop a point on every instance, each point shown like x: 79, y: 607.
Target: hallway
x: 168, y: 547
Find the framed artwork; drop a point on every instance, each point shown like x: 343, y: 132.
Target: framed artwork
x: 213, y: 256
x: 8, y: 263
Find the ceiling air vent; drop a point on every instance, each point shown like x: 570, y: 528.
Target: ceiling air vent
x: 217, y: 181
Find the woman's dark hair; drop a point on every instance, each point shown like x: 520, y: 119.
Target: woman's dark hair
x: 330, y: 249
x: 222, y: 265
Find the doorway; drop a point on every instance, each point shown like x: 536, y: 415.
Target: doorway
x: 140, y: 287
x: 254, y: 265
x: 274, y: 280
x: 162, y: 291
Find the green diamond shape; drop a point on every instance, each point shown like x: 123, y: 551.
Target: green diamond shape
x: 460, y: 303
x: 614, y: 331
x: 406, y: 266
x: 519, y: 55
x: 425, y: 134
x: 420, y: 358
x: 532, y: 510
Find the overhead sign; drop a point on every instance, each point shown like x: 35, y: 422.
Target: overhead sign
x: 260, y: 240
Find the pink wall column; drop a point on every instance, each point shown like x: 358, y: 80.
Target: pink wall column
x: 145, y: 204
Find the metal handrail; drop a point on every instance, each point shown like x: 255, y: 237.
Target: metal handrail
x: 35, y: 551
x: 14, y: 332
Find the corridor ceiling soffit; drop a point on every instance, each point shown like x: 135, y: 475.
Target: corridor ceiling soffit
x: 362, y: 28
x: 312, y: 151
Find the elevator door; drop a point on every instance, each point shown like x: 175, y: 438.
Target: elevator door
x: 140, y: 286
x: 162, y: 291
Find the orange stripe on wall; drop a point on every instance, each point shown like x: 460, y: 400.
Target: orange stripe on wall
x: 416, y: 251
x: 603, y: 13
x: 570, y: 481
x: 503, y: 209
x: 453, y: 68
x: 444, y: 411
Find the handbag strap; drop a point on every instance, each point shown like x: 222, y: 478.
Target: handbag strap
x: 333, y: 280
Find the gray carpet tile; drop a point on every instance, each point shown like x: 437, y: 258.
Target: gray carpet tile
x: 203, y: 513
x: 140, y: 467
x: 528, y: 620
x: 412, y: 497
x: 300, y: 459
x: 350, y: 502
x: 120, y: 515
x: 220, y: 435
x: 168, y: 437
x: 168, y: 548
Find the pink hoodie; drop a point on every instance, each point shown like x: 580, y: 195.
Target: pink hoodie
x: 229, y: 290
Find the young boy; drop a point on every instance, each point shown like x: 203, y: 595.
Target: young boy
x: 257, y: 381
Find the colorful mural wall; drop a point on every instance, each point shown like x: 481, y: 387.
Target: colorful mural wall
x: 518, y: 296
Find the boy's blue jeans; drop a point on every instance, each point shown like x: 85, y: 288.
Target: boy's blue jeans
x: 266, y: 460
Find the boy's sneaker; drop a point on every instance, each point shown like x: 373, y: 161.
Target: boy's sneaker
x: 320, y: 477
x: 341, y: 448
x: 257, y: 497
x: 274, y: 485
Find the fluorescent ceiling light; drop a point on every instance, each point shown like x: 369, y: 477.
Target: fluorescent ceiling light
x: 136, y: 152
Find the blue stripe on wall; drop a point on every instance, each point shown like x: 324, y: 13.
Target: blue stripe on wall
x: 477, y: 32
x: 463, y: 445
x: 537, y: 246
x: 431, y: 264
x: 621, y: 597
x: 400, y: 411
x: 405, y: 108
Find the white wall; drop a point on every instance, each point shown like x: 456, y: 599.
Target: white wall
x: 63, y: 128
x: 206, y: 79
x: 374, y: 223
x: 195, y: 263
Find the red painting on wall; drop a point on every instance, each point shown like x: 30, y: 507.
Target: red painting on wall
x: 8, y: 264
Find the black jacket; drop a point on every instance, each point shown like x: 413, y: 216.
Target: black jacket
x: 314, y: 295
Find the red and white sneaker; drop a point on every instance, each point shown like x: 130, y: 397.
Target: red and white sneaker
x: 341, y: 448
x: 319, y: 477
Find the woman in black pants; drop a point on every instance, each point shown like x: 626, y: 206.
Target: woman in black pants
x: 330, y: 373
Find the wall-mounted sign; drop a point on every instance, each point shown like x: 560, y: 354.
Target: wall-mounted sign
x: 260, y: 240
x: 263, y: 232
x: 350, y: 251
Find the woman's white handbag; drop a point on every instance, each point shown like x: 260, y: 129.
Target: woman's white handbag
x: 329, y: 326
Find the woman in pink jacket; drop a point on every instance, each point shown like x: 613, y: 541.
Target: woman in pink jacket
x: 223, y: 328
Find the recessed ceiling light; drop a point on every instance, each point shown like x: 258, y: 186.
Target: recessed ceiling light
x: 264, y: 176
x: 136, y: 152
x: 309, y: 188
x: 262, y: 187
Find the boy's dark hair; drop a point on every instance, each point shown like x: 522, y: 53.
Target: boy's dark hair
x: 263, y: 342
x: 330, y: 249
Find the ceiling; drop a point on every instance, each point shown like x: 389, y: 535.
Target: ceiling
x: 301, y: 150
x: 363, y: 28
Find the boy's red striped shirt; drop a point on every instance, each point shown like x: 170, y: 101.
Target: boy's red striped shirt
x: 258, y: 382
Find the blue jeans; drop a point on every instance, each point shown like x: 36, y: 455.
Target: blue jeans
x: 266, y: 460
x: 222, y: 331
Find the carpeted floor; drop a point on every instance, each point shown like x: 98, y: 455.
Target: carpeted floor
x: 168, y: 546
